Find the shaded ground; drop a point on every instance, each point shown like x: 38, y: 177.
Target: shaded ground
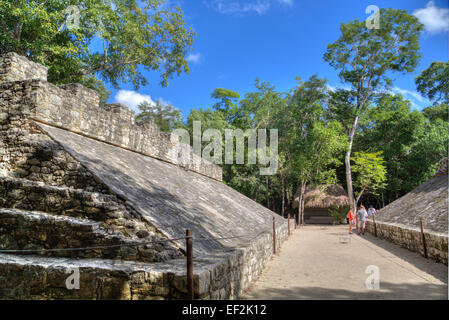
x: 315, y: 264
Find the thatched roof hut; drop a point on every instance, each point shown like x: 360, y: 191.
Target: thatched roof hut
x: 318, y: 200
x: 323, y: 197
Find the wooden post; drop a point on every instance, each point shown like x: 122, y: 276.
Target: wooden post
x: 288, y: 217
x: 375, y: 227
x: 274, y: 235
x: 189, y: 247
x: 423, y: 239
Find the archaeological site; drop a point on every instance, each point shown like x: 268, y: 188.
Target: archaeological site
x: 88, y: 188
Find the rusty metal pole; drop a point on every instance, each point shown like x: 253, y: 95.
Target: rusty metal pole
x: 423, y: 239
x: 274, y: 235
x: 288, y: 217
x: 189, y: 247
x: 375, y: 227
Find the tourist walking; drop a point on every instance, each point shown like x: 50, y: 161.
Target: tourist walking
x: 351, y: 220
x: 362, y: 215
x: 371, y: 211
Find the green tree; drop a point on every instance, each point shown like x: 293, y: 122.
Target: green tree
x: 312, y: 141
x: 433, y: 82
x: 411, y: 144
x: 365, y: 57
x: 166, y: 117
x: 131, y: 35
x: 438, y: 111
x: 227, y: 99
x: 371, y: 172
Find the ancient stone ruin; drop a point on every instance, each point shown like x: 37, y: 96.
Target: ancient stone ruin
x: 400, y: 221
x: 73, y: 175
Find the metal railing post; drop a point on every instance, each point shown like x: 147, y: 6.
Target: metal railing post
x: 274, y: 235
x: 423, y: 239
x: 375, y: 227
x: 189, y: 249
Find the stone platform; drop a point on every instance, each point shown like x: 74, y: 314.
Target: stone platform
x: 73, y: 175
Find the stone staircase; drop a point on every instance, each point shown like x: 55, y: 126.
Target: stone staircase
x: 49, y: 205
x: 35, y: 217
x: 46, y: 217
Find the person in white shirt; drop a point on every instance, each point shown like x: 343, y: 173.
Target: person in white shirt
x: 371, y: 211
x: 362, y: 215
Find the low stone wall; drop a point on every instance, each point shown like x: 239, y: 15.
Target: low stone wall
x: 410, y: 238
x: 223, y: 276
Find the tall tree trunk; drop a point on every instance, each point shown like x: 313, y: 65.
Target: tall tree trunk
x: 360, y: 195
x: 256, y: 192
x: 302, y: 205
x: 301, y: 202
x: 348, y: 165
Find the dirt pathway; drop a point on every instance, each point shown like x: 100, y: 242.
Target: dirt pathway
x: 315, y: 264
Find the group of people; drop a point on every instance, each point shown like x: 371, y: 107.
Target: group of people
x: 360, y: 217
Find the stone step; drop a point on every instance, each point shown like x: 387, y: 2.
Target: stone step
x: 27, y: 230
x: 37, y: 196
x: 32, y: 195
x: 37, y: 277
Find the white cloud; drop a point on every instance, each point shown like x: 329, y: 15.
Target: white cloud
x: 132, y: 99
x: 411, y: 94
x: 435, y: 19
x: 244, y: 6
x: 417, y: 100
x: 287, y: 2
x: 335, y: 88
x: 194, y: 57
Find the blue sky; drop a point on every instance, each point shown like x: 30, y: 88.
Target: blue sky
x: 276, y: 40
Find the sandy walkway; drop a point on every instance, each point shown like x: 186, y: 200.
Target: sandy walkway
x: 314, y: 264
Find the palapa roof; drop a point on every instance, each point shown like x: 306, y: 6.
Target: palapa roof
x: 323, y: 196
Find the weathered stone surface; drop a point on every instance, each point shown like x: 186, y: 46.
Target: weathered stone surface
x: 37, y: 231
x: 14, y: 68
x: 92, y: 177
x: 169, y: 197
x: 399, y: 222
x: 429, y: 201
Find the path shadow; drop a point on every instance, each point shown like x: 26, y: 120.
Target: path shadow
x: 417, y: 260
x: 388, y: 291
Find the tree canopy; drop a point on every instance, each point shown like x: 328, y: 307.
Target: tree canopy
x: 108, y: 39
x: 364, y: 59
